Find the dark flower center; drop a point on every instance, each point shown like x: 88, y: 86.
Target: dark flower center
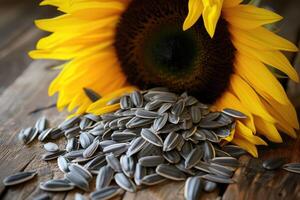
x: 154, y: 50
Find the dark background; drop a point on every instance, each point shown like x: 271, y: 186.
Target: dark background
x: 18, y: 35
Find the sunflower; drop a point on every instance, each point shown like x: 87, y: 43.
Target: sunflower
x: 217, y: 50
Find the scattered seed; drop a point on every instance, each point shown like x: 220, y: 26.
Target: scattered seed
x: 18, y: 178
x: 274, y: 163
x: 51, y: 147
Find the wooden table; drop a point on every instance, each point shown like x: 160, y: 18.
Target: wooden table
x: 24, y: 88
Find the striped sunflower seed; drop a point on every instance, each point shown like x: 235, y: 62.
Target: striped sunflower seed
x: 79, y: 170
x: 209, y: 186
x: 72, y: 132
x: 91, y: 94
x: 153, y: 179
x: 172, y: 156
x: 151, y: 137
x: 209, y: 151
x: 226, y: 161
x: 137, y: 99
x: 52, y: 155
x: 171, y: 141
x: 160, y: 122
x: 85, y: 139
x: 292, y: 167
x: 106, y: 193
x: 218, y: 179
x: 170, y: 172
x: 69, y: 123
x: 192, y: 188
x: 63, y: 164
x: 96, y: 162
x: 125, y: 102
x: 195, y: 114
x: 174, y: 119
x: 90, y: 151
x: 56, y: 186
x: 151, y: 161
x: 146, y: 114
x: 220, y: 170
x: 56, y: 133
x: 113, y: 162
x: 51, y: 147
x: 234, y: 113
x: 116, y: 149
x: 164, y: 107
x: 122, y: 136
x: 274, y: 163
x: 125, y: 182
x: 44, y: 134
x: 77, y: 180
x: 139, y: 173
x: 128, y: 165
x: 104, y: 177
x: 72, y: 144
x: 153, y: 105
x: 41, y: 124
x: 193, y: 157
x: 18, y: 178
x: 136, y: 146
x: 178, y: 107
x: 137, y: 122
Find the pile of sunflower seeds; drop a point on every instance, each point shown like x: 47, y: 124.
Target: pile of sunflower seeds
x: 155, y: 136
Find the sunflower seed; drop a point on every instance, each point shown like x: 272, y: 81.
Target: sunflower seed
x: 72, y: 132
x: 210, y: 136
x: 186, y: 149
x: 181, y: 167
x: 199, y: 135
x: 84, y: 123
x: 224, y: 132
x: 96, y: 162
x: 220, y: 170
x: 30, y: 135
x: 85, y: 139
x: 63, y: 164
x: 106, y: 193
x: 56, y: 186
x: 209, y: 186
x: 122, y: 136
x: 209, y: 151
x: 78, y: 180
x: 41, y: 124
x: 151, y: 137
x: 136, y: 122
x: 191, y: 101
x: 44, y: 134
x: 18, y: 178
x: 79, y: 196
x: 188, y: 133
x: 234, y: 150
x: 52, y: 155
x: 136, y: 146
x: 178, y: 107
x: 72, y: 144
x: 273, y: 163
x: 164, y: 107
x: 153, y: 105
x: 69, y: 123
x: 137, y: 98
x: 116, y: 149
x: 113, y: 162
x: 139, y: 173
x: 146, y: 114
x: 218, y: 179
x: 292, y: 167
x: 92, y: 117
x: 170, y: 172
x: 172, y: 156
x: 104, y: 177
x: 153, y: 179
x: 171, y: 141
x: 151, y: 161
x: 128, y: 165
x: 211, y: 124
x: 56, y: 133
x: 160, y: 122
x: 202, y: 166
x: 194, y: 157
x: 124, y: 182
x: 226, y: 161
x: 90, y: 151
x: 79, y: 170
x: 234, y: 113
x: 195, y: 114
x: 91, y: 94
x: 192, y: 188
x: 125, y: 102
x: 165, y: 97
x: 74, y: 154
x: 174, y: 119
x: 51, y: 147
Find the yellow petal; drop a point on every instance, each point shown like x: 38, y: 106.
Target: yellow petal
x: 251, y: 148
x: 195, y: 11
x: 231, y: 136
x: 273, y: 58
x: 211, y: 13
x: 243, y: 131
x: 249, y: 17
x: 267, y: 129
x: 105, y: 109
x: 262, y: 38
x: 260, y: 78
x: 249, y: 98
